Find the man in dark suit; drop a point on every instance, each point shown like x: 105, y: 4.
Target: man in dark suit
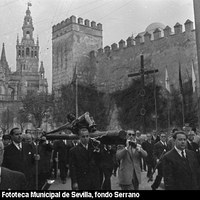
x: 180, y: 166
x: 61, y: 148
x: 19, y: 156
x: 155, y: 137
x: 106, y: 165
x: 159, y: 149
x: 148, y: 147
x: 84, y: 169
x: 10, y: 180
x: 191, y: 145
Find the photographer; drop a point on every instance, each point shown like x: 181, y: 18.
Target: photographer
x: 129, y: 156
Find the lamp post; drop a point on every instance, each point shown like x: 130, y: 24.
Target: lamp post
x: 76, y: 93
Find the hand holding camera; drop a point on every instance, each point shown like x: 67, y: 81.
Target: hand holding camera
x: 138, y: 147
x: 130, y: 143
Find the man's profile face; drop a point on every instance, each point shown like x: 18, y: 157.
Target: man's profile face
x: 17, y: 136
x: 181, y: 141
x: 148, y: 136
x: 84, y: 136
x: 191, y: 136
x: 6, y: 142
x: 163, y: 137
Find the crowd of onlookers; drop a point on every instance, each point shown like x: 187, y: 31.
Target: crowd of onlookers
x: 174, y: 156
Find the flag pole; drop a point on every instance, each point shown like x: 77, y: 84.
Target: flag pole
x: 183, y: 110
x: 182, y: 97
x: 194, y: 87
x: 168, y: 112
x: 155, y: 99
x: 167, y: 86
x: 76, y: 92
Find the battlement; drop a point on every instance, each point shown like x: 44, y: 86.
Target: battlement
x: 79, y: 21
x: 146, y: 38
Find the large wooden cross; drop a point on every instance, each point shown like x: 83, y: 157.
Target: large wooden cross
x: 142, y: 90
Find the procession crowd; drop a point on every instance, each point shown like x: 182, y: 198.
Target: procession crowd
x: 27, y: 163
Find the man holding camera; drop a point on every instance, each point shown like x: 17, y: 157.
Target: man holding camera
x: 129, y: 156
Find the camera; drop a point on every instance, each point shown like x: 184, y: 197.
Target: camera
x: 132, y: 144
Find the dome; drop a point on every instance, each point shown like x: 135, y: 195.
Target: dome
x: 154, y: 26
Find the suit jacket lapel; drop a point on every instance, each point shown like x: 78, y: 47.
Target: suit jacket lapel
x: 182, y: 161
x: 83, y: 152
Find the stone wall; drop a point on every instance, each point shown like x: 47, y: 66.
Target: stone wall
x: 112, y: 65
x: 108, y: 68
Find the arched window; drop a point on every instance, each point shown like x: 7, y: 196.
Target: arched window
x: 27, y: 34
x: 27, y: 51
x: 35, y: 53
x: 19, y: 53
x: 31, y: 53
x: 22, y: 53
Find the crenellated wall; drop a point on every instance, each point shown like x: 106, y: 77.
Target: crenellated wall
x: 164, y: 47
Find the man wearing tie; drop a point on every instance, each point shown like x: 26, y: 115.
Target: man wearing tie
x: 9, y: 179
x: 84, y: 169
x: 19, y: 156
x: 181, y: 169
x: 159, y: 149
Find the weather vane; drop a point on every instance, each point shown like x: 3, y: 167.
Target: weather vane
x: 29, y: 4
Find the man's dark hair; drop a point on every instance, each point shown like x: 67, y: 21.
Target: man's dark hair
x: 6, y: 137
x: 12, y: 130
x: 71, y: 117
x: 194, y: 129
x: 174, y: 130
x: 163, y: 132
x: 83, y: 128
x: 179, y: 132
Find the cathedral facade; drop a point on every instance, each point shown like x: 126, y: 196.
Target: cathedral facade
x: 29, y: 75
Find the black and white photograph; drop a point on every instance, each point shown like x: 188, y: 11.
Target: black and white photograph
x: 99, y: 98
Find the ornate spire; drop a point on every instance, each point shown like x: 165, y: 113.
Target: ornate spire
x: 28, y: 25
x: 17, y: 39
x: 42, y: 69
x: 37, y: 41
x: 3, y: 54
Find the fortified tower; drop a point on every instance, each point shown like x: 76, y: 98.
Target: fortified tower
x: 72, y: 41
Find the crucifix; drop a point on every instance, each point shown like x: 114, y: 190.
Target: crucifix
x: 142, y: 90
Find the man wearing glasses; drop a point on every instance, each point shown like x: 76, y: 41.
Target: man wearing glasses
x: 129, y: 156
x: 19, y: 156
x: 83, y: 163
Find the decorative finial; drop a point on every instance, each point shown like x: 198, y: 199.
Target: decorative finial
x: 17, y: 38
x: 29, y: 4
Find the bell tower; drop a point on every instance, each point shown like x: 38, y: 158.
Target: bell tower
x: 27, y: 52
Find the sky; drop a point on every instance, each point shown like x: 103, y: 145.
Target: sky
x: 119, y: 18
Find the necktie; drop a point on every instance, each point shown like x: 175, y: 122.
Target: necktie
x: 19, y: 147
x: 182, y: 153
